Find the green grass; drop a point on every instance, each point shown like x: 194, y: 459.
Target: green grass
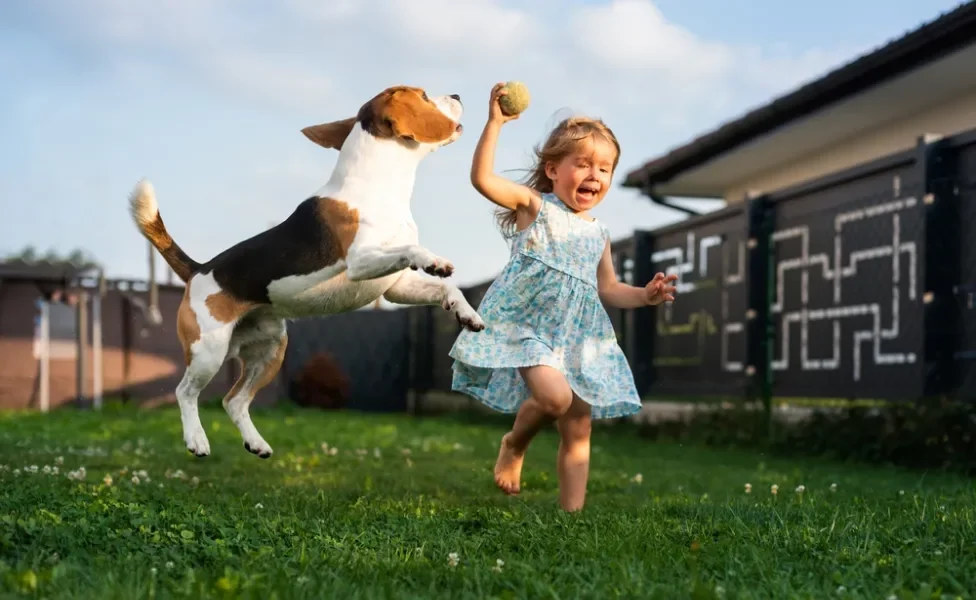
x: 373, y: 522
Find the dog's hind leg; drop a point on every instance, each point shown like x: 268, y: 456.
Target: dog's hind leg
x: 205, y: 355
x: 263, y: 341
x: 205, y: 323
x: 411, y: 288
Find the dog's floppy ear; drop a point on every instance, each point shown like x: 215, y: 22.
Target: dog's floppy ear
x: 330, y: 135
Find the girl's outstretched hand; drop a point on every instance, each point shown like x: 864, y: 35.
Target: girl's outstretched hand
x: 495, y: 114
x: 659, y: 289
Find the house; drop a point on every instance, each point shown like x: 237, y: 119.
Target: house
x: 881, y: 103
x: 138, y: 360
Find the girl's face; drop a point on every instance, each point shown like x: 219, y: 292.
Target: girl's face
x: 582, y: 179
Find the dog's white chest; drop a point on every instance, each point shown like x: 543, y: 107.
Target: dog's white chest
x: 328, y: 290
x: 316, y: 295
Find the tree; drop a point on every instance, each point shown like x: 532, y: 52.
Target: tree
x: 27, y: 254
x: 78, y: 257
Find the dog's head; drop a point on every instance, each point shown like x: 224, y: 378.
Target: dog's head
x: 403, y: 115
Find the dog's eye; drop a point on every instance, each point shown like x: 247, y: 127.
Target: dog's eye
x: 424, y: 96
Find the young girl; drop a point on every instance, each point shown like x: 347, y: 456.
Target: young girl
x: 549, y: 350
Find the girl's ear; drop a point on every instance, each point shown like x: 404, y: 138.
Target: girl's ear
x: 550, y: 170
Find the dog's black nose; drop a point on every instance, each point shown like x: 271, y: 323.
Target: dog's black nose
x: 456, y: 97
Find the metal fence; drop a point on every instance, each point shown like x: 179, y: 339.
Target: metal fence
x: 859, y: 285
x: 852, y: 286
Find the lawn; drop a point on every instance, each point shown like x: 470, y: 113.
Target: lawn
x: 376, y: 506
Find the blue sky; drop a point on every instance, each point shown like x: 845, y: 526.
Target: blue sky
x: 206, y: 98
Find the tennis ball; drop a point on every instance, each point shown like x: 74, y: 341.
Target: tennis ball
x: 516, y: 100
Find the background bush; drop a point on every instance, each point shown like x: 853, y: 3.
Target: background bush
x: 925, y: 435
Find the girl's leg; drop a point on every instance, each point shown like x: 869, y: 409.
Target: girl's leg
x: 551, y: 398
x: 573, y: 464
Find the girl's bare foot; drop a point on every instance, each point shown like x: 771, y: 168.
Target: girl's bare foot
x: 508, y: 468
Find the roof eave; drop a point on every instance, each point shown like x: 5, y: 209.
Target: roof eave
x: 929, y: 42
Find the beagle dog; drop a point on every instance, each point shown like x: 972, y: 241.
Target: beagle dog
x: 350, y: 243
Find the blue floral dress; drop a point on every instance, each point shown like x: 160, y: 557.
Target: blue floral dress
x: 544, y: 309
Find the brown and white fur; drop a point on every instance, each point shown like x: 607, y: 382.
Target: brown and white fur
x: 350, y: 243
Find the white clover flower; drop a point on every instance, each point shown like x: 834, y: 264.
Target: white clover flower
x: 800, y: 489
x: 638, y: 478
x: 833, y: 487
x: 135, y: 479
x: 259, y: 505
x: 748, y: 487
x: 59, y: 460
x: 774, y: 489
x: 453, y: 559
x: 498, y: 566
x: 107, y: 480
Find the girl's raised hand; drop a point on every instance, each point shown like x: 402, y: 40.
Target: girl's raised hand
x: 495, y: 113
x: 659, y: 289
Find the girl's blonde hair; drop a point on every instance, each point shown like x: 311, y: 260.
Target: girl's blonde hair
x: 562, y: 141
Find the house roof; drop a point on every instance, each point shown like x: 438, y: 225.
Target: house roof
x: 950, y: 32
x: 41, y: 270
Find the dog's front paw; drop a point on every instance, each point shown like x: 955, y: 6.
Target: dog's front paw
x: 431, y: 264
x: 463, y: 312
x: 470, y: 320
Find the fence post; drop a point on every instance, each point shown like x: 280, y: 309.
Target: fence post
x: 942, y: 264
x: 97, y: 350
x: 81, y: 363
x: 642, y: 321
x: 125, y: 315
x: 761, y: 329
x: 421, y: 354
x: 44, y: 369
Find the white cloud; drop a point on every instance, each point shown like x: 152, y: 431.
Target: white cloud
x: 300, y: 62
x: 277, y: 80
x: 633, y: 35
x: 620, y: 55
x: 474, y: 29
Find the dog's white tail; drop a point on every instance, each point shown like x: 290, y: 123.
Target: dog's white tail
x: 145, y: 214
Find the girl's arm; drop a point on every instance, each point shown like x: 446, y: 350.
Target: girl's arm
x: 501, y: 191
x: 620, y: 295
